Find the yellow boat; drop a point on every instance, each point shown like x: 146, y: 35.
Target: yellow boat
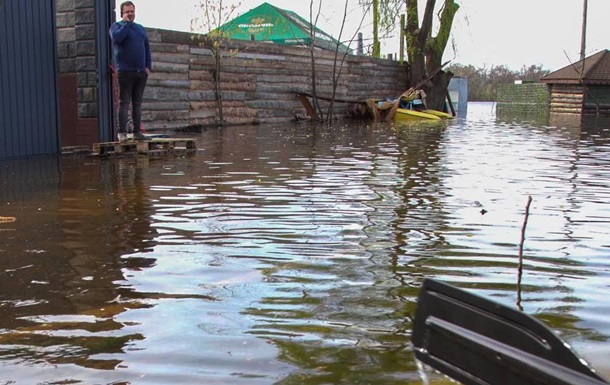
x: 440, y: 114
x: 405, y: 114
x: 413, y: 107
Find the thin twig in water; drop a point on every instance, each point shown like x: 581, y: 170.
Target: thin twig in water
x: 520, y: 266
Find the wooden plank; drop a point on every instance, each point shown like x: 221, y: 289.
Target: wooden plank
x: 372, y: 106
x: 450, y: 102
x: 308, y: 107
x: 390, y: 115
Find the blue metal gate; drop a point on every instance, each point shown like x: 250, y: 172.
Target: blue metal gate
x: 28, y: 78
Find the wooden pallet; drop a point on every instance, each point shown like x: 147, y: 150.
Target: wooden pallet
x: 165, y: 146
x: 155, y: 146
x: 114, y: 148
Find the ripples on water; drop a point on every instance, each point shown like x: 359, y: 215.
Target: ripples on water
x: 293, y: 254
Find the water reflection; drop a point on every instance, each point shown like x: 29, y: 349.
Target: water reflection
x: 523, y: 115
x: 293, y: 254
x: 59, y: 260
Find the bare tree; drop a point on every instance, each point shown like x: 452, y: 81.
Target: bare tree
x: 376, y: 44
x: 339, y: 62
x: 341, y: 50
x: 312, y: 31
x: 214, y: 14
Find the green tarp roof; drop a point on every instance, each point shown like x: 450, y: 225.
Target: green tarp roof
x: 272, y: 24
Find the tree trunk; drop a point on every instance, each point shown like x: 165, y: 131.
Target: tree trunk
x: 415, y: 54
x: 436, y: 91
x: 218, y: 86
x: 435, y: 46
x: 376, y: 44
x: 314, y: 89
x: 425, y: 53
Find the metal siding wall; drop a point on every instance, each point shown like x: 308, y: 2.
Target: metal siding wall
x: 28, y: 78
x: 4, y: 112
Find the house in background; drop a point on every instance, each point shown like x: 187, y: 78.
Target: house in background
x: 271, y: 24
x: 582, y: 88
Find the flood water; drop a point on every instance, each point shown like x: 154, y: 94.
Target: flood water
x: 293, y: 254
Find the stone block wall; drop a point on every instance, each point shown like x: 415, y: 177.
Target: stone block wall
x: 66, y: 36
x: 258, y: 81
x: 76, y: 50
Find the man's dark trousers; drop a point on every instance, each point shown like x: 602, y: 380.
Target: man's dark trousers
x: 131, y: 90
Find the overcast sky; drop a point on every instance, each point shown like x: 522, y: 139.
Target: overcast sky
x: 485, y: 32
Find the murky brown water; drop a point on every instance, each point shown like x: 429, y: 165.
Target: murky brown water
x: 293, y: 254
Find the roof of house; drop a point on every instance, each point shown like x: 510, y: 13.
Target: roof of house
x: 275, y: 25
x: 594, y: 69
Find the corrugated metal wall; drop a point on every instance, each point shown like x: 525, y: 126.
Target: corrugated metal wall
x: 28, y: 78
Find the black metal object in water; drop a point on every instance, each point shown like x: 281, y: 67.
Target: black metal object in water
x: 477, y: 341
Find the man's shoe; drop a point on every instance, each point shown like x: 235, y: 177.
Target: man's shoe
x: 140, y: 136
x: 122, y: 137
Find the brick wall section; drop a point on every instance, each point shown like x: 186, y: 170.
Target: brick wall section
x: 529, y: 97
x: 258, y: 81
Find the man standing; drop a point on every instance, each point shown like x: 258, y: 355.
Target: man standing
x: 133, y: 63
